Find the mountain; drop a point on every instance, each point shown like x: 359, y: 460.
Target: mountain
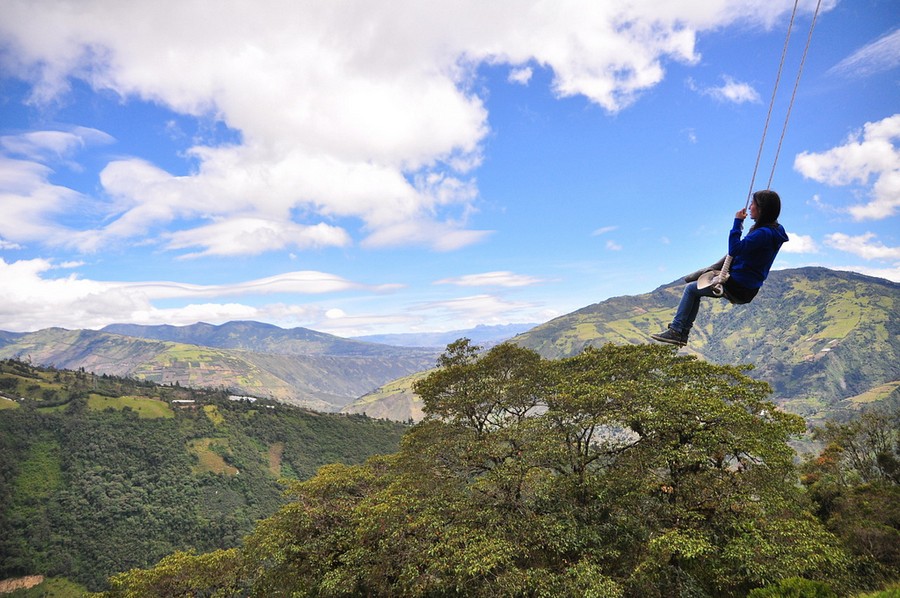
x: 298, y: 366
x: 486, y: 336
x: 101, y: 474
x: 827, y: 341
x: 257, y: 337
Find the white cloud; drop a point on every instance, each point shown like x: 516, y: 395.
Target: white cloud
x: 30, y: 200
x: 39, y: 145
x: 800, y: 244
x: 440, y: 236
x: 521, y: 75
x: 6, y: 245
x: 470, y: 311
x: 343, y: 110
x: 497, y: 279
x: 863, y: 246
x: 603, y: 230
x: 879, y: 56
x: 892, y: 274
x: 613, y: 246
x: 252, y: 236
x: 29, y: 299
x: 732, y: 91
x: 871, y: 152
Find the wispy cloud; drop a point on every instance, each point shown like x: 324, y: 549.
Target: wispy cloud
x: 469, y: 311
x: 29, y: 298
x: 41, y: 145
x: 603, y: 230
x: 494, y: 279
x: 252, y: 236
x: 881, y: 55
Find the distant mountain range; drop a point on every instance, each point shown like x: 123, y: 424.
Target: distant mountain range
x: 485, y: 336
x: 827, y: 341
x: 298, y: 366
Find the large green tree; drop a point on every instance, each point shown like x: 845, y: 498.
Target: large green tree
x: 622, y: 471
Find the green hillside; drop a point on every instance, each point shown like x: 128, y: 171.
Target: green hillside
x: 100, y: 474
x: 317, y: 380
x: 821, y: 338
x: 628, y: 471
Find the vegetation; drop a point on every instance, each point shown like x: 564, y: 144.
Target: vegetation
x: 301, y: 367
x: 100, y: 474
x: 621, y: 471
x: 826, y: 341
x: 855, y: 485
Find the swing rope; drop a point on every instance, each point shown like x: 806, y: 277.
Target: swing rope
x: 719, y: 280
x: 787, y: 116
x: 762, y: 141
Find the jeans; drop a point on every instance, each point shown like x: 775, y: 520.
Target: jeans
x: 688, y: 308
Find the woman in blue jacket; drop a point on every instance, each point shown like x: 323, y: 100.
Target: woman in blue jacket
x: 752, y: 257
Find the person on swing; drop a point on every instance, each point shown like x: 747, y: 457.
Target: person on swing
x: 752, y: 257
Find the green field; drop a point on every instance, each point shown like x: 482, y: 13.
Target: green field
x: 145, y: 408
x: 208, y: 459
x: 876, y: 394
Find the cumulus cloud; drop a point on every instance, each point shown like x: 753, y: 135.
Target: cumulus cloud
x: 879, y: 56
x: 800, y: 244
x: 341, y: 110
x: 496, y: 279
x: 521, y: 75
x: 871, y: 153
x: 732, y: 91
x: 32, y: 298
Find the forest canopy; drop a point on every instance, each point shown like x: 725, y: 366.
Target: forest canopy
x: 621, y: 471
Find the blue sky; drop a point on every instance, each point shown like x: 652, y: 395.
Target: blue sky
x: 365, y: 167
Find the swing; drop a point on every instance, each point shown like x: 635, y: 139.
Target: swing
x: 717, y: 275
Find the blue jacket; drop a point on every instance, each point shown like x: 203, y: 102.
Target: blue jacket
x: 753, y: 255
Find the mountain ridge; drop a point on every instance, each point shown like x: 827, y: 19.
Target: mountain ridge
x: 315, y: 379
x: 259, y: 337
x: 820, y: 337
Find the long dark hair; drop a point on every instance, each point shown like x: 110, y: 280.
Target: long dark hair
x: 768, y: 205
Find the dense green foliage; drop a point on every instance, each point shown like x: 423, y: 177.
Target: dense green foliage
x: 93, y: 482
x: 855, y: 483
x: 622, y: 471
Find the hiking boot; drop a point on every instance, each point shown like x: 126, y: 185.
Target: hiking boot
x: 671, y: 337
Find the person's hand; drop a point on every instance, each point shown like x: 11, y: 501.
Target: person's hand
x: 741, y: 214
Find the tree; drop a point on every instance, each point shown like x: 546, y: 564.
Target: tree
x: 855, y: 483
x: 623, y: 471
